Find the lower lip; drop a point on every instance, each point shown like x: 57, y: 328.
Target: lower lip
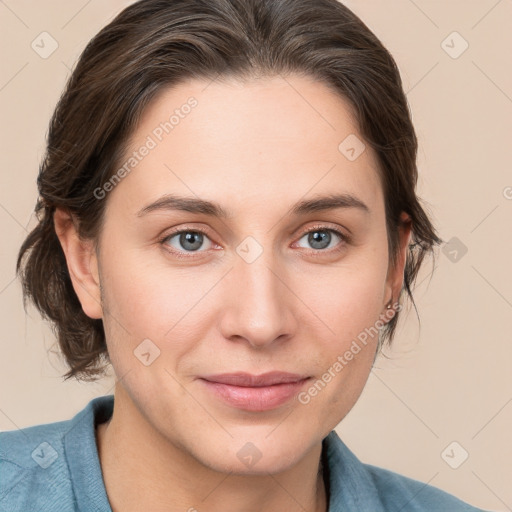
x: 255, y: 398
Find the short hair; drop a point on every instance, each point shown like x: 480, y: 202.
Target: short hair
x: 154, y: 44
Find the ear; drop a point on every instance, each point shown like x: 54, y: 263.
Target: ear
x: 395, y: 278
x: 82, y: 263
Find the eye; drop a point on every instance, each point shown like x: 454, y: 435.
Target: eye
x: 321, y: 238
x: 186, y: 241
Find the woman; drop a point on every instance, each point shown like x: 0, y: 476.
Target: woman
x: 228, y: 216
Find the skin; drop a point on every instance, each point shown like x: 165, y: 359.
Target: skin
x: 256, y: 148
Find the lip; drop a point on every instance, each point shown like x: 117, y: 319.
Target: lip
x: 255, y: 392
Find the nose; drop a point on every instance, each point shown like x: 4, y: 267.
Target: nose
x: 258, y: 303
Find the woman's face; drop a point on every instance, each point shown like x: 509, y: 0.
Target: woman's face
x: 275, y: 285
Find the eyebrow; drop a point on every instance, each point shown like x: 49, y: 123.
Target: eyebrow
x: 201, y: 206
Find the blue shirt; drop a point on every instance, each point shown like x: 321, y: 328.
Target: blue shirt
x: 55, y: 467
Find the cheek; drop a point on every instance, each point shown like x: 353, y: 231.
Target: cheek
x: 132, y: 298
x: 153, y: 301
x: 349, y: 302
x: 347, y: 298
x: 350, y: 307
x: 140, y: 290
x: 136, y: 305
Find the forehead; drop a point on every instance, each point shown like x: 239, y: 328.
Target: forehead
x: 270, y: 138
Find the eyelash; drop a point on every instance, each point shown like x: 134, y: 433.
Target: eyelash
x: 345, y: 239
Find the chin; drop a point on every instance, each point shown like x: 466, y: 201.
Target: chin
x: 256, y: 452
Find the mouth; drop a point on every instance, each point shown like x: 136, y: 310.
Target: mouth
x: 255, y: 392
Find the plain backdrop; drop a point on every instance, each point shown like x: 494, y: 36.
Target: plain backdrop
x: 446, y: 390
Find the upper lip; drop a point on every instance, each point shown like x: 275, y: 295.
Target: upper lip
x: 249, y: 380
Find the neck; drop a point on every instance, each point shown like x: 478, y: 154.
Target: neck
x: 134, y: 456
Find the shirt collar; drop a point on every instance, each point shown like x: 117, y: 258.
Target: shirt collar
x: 349, y: 485
x: 82, y: 455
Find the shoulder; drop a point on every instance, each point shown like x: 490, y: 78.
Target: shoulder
x: 34, y: 475
x: 398, y: 492
x: 358, y: 486
x: 49, y: 467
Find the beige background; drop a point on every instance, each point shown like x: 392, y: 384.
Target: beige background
x: 449, y: 381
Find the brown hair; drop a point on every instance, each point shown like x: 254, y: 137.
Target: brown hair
x: 153, y: 44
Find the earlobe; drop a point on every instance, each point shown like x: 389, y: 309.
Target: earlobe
x: 82, y: 263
